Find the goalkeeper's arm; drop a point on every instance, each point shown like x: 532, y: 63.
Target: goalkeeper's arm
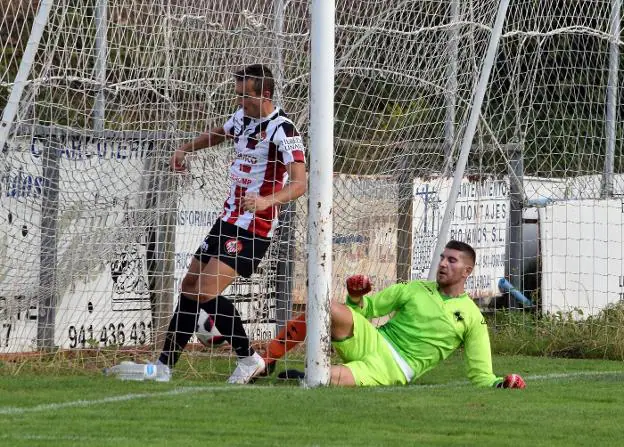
x: 376, y: 305
x: 478, y: 357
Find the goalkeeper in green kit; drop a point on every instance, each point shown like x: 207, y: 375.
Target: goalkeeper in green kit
x: 430, y: 320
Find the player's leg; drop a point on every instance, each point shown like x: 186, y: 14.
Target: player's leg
x: 295, y: 332
x: 368, y: 358
x: 182, y: 324
x: 291, y: 335
x: 215, y: 277
x: 341, y: 328
x: 341, y: 321
x: 200, y: 275
x: 235, y: 252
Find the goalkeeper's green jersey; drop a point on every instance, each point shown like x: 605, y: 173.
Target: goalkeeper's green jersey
x: 428, y: 326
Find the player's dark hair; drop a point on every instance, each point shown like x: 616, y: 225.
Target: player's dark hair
x: 464, y: 248
x: 260, y: 75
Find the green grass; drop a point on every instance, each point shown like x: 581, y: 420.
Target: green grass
x: 566, y: 402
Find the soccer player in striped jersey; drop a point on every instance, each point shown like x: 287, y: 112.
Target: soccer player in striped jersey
x: 268, y: 170
x: 430, y: 320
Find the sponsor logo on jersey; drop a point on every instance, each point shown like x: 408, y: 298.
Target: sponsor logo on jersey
x: 240, y: 180
x: 204, y: 246
x: 233, y: 246
x: 246, y: 158
x: 293, y: 144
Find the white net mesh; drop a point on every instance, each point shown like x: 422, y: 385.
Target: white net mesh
x: 406, y: 73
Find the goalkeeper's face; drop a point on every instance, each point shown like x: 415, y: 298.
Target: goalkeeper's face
x: 454, y: 267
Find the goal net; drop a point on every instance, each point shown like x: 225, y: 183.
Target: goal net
x: 96, y: 233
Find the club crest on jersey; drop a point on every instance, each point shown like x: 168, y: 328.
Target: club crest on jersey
x: 233, y: 246
x: 260, y: 136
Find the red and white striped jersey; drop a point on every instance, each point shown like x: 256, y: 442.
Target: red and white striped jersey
x: 264, y: 147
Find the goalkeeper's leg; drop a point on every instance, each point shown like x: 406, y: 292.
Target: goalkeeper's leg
x: 291, y: 335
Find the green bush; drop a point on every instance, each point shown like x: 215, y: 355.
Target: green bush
x: 570, y: 334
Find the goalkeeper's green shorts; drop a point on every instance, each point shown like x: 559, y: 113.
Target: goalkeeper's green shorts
x: 368, y: 355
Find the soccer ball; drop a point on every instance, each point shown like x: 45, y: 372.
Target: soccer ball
x: 208, y: 338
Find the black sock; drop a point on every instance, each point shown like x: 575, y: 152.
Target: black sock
x: 181, y: 327
x: 228, y: 321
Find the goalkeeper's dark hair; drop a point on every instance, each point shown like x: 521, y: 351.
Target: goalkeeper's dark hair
x: 464, y: 248
x: 260, y: 75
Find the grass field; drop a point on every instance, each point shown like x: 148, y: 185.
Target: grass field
x: 567, y: 402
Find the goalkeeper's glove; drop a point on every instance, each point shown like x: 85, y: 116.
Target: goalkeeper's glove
x: 358, y: 286
x: 512, y: 381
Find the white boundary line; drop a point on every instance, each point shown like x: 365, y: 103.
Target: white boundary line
x: 230, y: 388
x: 576, y: 374
x: 112, y: 399
x: 542, y: 377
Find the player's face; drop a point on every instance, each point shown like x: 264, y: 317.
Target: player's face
x: 248, y: 99
x: 454, y: 268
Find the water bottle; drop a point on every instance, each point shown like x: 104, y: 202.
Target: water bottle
x: 139, y: 371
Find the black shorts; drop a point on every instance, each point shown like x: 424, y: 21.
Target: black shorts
x: 240, y: 249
